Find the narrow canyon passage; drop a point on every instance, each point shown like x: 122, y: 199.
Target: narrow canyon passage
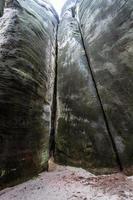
x: 66, y: 95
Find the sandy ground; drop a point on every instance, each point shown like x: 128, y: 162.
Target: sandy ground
x: 68, y: 183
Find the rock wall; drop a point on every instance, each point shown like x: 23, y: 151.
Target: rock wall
x: 89, y: 86
x: 82, y: 137
x: 27, y: 66
x: 107, y: 29
x: 2, y: 2
x: 107, y: 37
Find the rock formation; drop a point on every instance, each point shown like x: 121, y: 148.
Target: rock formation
x: 2, y: 2
x: 27, y: 71
x: 107, y: 35
x: 82, y: 137
x: 72, y: 90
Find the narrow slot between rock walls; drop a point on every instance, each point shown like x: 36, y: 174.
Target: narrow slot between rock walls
x: 54, y: 104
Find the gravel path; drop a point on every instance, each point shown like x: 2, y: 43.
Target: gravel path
x: 68, y: 183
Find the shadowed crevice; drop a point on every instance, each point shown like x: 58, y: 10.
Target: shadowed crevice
x: 54, y: 105
x: 2, y: 5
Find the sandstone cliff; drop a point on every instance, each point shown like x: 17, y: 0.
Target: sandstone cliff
x: 107, y: 37
x: 27, y: 71
x: 66, y: 93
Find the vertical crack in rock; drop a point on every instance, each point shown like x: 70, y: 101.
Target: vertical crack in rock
x: 104, y: 114
x: 82, y: 138
x: 108, y: 37
x: 54, y: 105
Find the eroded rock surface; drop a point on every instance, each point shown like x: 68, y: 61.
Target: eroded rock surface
x: 107, y: 33
x: 107, y: 29
x: 27, y: 65
x: 2, y: 2
x: 94, y: 85
x: 82, y: 138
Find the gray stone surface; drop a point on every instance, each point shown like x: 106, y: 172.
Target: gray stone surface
x: 82, y: 138
x: 27, y: 65
x: 2, y: 2
x: 69, y: 4
x: 86, y: 114
x: 107, y: 29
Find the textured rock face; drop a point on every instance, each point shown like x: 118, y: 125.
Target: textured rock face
x: 27, y: 64
x: 2, y: 2
x: 82, y: 138
x: 107, y: 28
x: 94, y: 85
x: 68, y: 6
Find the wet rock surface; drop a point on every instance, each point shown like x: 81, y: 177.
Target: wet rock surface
x: 27, y: 65
x: 82, y: 138
x: 108, y: 37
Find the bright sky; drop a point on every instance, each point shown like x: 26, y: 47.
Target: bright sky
x: 58, y: 4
